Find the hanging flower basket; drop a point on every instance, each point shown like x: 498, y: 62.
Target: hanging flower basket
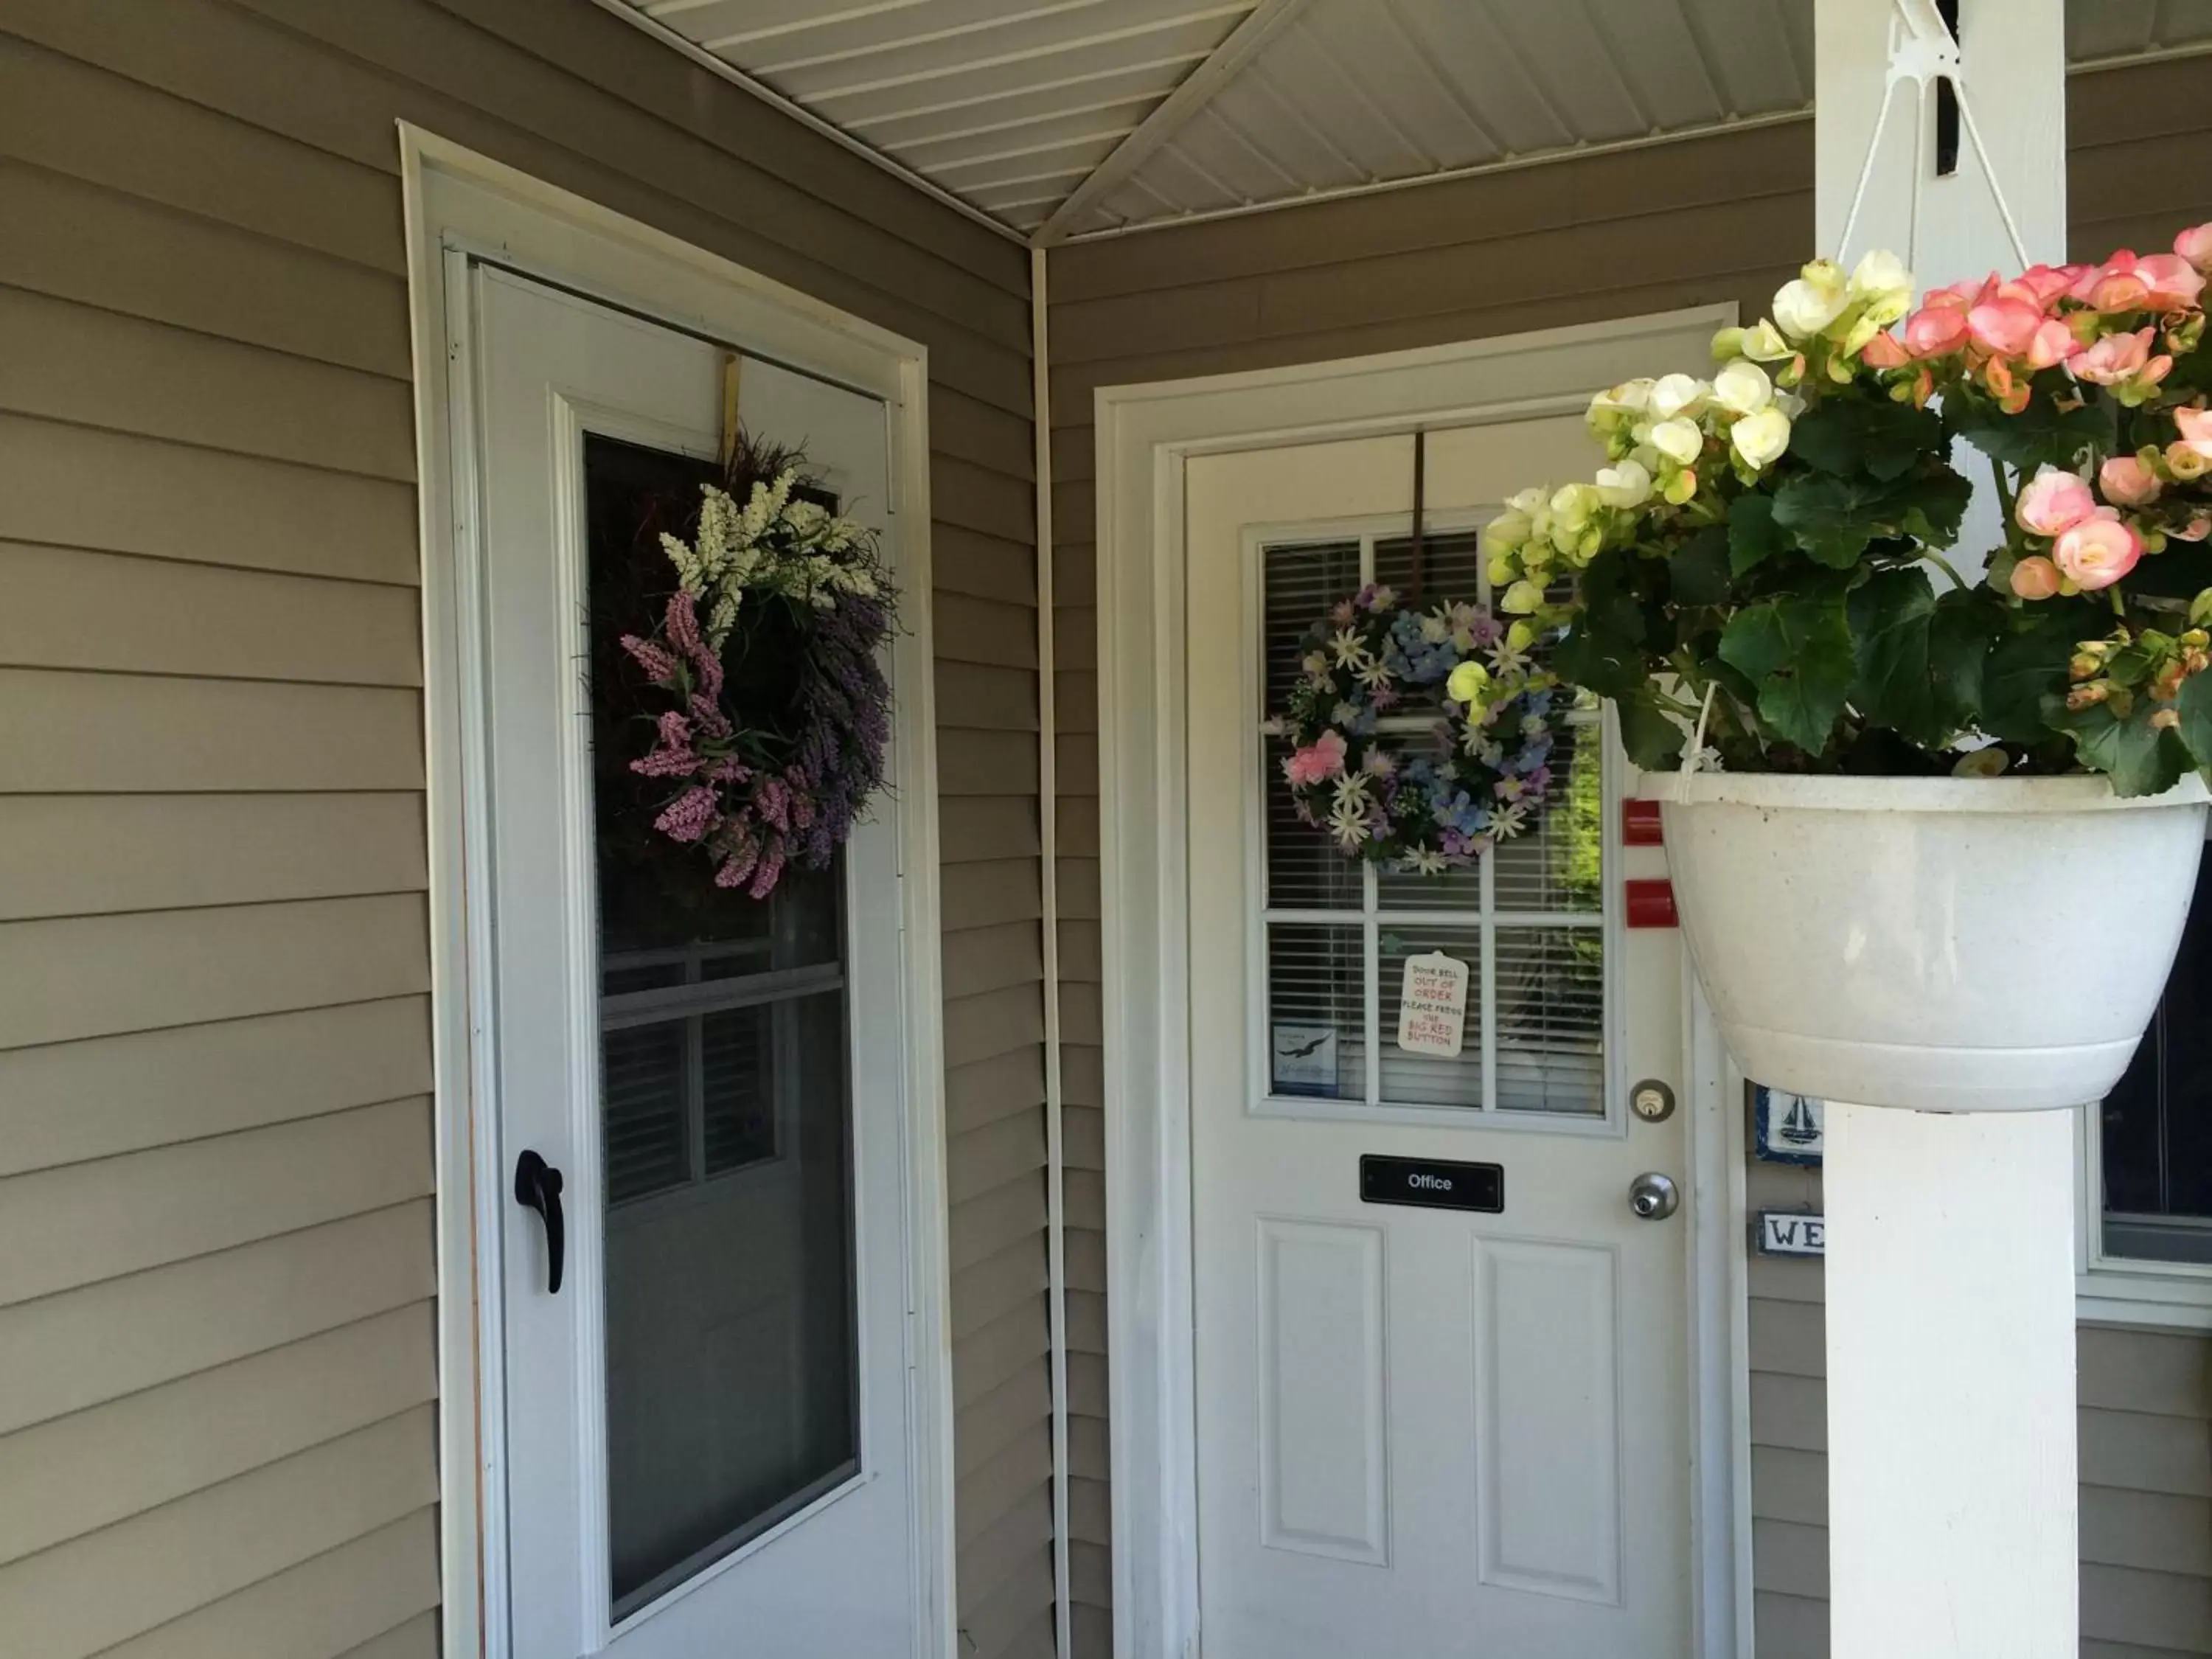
x: 1948, y: 944
x: 1936, y: 828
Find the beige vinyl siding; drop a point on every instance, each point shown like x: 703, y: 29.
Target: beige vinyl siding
x: 1721, y: 218
x: 216, y: 1247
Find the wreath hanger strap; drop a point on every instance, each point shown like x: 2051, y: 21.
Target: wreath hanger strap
x: 732, y: 369
x: 1420, y: 493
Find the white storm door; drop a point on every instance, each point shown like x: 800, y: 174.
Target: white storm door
x: 705, y: 1445
x: 1421, y: 1432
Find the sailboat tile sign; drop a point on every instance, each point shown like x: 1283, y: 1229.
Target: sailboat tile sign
x: 1786, y: 1128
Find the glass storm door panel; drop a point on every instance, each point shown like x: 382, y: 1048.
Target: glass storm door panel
x: 1419, y: 1430
x: 705, y: 1425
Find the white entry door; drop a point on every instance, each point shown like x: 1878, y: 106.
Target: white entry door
x: 705, y: 1427
x: 1422, y: 1432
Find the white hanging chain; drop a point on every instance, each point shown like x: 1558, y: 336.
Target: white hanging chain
x: 1923, y: 51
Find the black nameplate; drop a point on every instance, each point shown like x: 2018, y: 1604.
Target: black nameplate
x: 1432, y: 1183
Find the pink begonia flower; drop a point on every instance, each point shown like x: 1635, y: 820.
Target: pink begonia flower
x: 2054, y: 501
x: 2054, y: 343
x: 2127, y: 482
x: 2161, y: 281
x: 2195, y: 244
x: 1317, y: 762
x: 2118, y: 358
x: 2174, y: 282
x: 1961, y: 297
x: 2195, y: 426
x: 2035, y: 578
x: 2044, y: 284
x: 1934, y: 330
x: 1885, y: 350
x: 2097, y: 551
x: 2006, y: 328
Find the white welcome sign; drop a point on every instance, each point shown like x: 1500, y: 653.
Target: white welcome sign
x: 1432, y: 1006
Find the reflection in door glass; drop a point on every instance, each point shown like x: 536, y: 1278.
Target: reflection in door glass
x: 725, y: 1127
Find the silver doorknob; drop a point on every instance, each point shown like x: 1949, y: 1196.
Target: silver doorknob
x: 1653, y: 1196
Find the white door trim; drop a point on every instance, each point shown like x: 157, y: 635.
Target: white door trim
x: 459, y: 203
x: 1146, y: 434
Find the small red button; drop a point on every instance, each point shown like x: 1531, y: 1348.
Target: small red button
x: 1639, y: 824
x: 1651, y: 903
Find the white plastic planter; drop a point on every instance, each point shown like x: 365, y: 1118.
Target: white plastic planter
x: 1946, y: 944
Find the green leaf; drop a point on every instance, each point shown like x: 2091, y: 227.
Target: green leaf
x: 1890, y: 612
x: 1847, y: 437
x: 1603, y: 663
x: 2140, y: 759
x: 1798, y: 651
x: 1699, y: 571
x: 1754, y: 536
x: 1935, y: 505
x: 2042, y: 435
x: 2022, y: 669
x: 1653, y: 741
x: 1833, y: 520
x: 2195, y: 703
x: 1919, y: 658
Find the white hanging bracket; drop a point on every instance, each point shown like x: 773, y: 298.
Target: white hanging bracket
x: 1923, y: 51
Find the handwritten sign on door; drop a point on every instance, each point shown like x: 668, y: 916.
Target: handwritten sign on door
x: 1432, y: 1006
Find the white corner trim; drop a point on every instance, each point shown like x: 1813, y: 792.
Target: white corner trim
x: 1144, y: 435
x: 1055, y: 1143
x: 458, y: 204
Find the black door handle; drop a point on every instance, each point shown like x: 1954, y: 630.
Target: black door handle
x: 537, y: 1186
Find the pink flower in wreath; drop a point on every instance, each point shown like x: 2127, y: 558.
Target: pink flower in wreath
x: 2127, y: 482
x: 2097, y: 551
x: 2054, y: 501
x: 690, y: 815
x: 1317, y: 762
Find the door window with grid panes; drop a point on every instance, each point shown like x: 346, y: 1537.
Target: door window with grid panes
x: 1528, y: 920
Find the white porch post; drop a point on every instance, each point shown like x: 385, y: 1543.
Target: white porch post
x: 1950, y: 1256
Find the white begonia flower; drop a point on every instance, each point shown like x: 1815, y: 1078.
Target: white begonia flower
x: 1629, y: 397
x: 1505, y: 532
x: 1521, y: 599
x: 1677, y: 394
x: 1679, y: 440
x: 1758, y: 440
x: 1763, y: 343
x: 1883, y: 285
x: 1809, y: 304
x: 1573, y: 506
x: 1743, y: 388
x: 1627, y: 484
x: 1529, y: 501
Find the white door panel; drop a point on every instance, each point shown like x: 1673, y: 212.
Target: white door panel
x: 706, y: 1430
x: 1423, y: 1432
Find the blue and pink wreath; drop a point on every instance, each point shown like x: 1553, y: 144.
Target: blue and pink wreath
x: 1408, y: 797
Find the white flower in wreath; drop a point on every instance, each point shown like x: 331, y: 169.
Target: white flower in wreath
x: 1435, y: 628
x: 1372, y: 675
x: 1315, y: 665
x: 1510, y: 820
x: 1347, y: 822
x: 1532, y: 725
x: 1424, y: 861
x: 1506, y: 657
x: 1378, y: 764
x: 1344, y: 714
x: 1349, y: 649
x: 1352, y: 791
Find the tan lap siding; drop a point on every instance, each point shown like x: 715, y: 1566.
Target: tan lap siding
x: 1724, y: 218
x: 216, y: 1424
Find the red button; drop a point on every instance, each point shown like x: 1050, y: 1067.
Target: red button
x: 1639, y: 823
x: 1651, y: 903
